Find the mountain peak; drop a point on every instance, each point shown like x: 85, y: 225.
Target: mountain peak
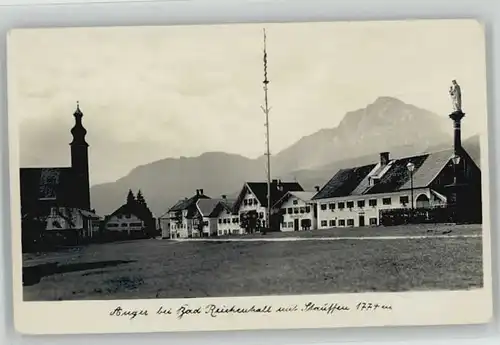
x: 387, y: 99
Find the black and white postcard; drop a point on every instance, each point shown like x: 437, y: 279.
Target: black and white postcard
x: 249, y: 176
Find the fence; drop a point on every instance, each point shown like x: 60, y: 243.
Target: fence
x: 442, y: 214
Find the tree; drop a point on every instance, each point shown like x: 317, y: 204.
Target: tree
x: 140, y: 199
x: 249, y: 220
x: 130, y: 198
x: 143, y: 212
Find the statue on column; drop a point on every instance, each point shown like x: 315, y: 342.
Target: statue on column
x: 456, y: 96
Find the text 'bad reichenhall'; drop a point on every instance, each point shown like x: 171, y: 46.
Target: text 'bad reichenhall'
x: 214, y: 310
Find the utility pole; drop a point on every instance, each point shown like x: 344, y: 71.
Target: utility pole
x: 266, y: 109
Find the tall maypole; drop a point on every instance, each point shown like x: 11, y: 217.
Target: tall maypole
x: 266, y: 109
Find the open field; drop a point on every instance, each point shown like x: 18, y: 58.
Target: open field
x: 170, y: 269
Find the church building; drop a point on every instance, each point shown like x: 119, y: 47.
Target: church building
x: 49, y: 191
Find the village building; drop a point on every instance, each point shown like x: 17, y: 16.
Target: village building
x: 298, y: 211
x: 228, y: 220
x: 210, y: 219
x: 125, y: 222
x: 357, y: 197
x: 251, y: 203
x: 182, y: 216
x: 164, y: 225
x: 51, y: 191
x: 72, y: 223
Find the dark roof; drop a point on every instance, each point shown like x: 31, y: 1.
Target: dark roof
x: 344, y: 182
x: 208, y: 207
x: 126, y: 209
x: 355, y: 181
x: 187, y: 203
x: 259, y: 189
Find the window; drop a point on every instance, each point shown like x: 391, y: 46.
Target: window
x: 261, y: 215
x: 295, y: 202
x: 205, y: 223
x: 332, y: 222
x: 302, y: 210
x: 225, y: 232
x: 350, y: 204
x: 290, y: 224
x: 296, y: 210
x: 324, y: 223
x: 128, y: 216
x: 135, y: 224
x: 245, y: 202
x: 331, y: 206
x: 341, y: 205
x: 373, y: 221
x: 323, y: 207
x: 386, y: 201
x: 220, y: 220
x: 350, y: 222
x: 361, y: 203
x: 124, y: 225
x: 290, y: 210
x: 404, y: 199
x: 220, y: 232
x: 308, y: 209
x: 372, y: 202
x: 250, y: 202
x: 235, y: 220
x: 341, y: 222
x: 283, y: 225
x: 235, y: 232
x: 225, y: 221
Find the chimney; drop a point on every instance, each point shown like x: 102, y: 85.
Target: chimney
x: 197, y: 192
x: 201, y: 191
x: 384, y: 158
x: 275, y: 181
x: 317, y: 188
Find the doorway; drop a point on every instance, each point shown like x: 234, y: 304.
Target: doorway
x: 361, y: 220
x: 295, y: 225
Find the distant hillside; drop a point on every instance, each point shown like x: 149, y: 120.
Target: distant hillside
x: 385, y: 125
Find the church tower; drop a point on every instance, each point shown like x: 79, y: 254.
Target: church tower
x: 80, y: 162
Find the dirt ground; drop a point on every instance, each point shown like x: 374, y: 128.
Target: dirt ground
x: 170, y: 269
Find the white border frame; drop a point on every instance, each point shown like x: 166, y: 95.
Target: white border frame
x: 138, y: 13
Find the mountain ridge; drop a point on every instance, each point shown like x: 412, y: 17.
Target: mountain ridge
x: 387, y: 124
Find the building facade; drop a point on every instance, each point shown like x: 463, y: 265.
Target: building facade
x: 72, y: 222
x: 298, y: 211
x: 228, y: 220
x: 356, y: 197
x: 125, y: 222
x: 251, y: 204
x: 182, y: 217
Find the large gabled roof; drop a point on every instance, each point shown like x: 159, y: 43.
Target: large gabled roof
x: 304, y: 196
x: 259, y: 189
x: 184, y: 204
x: 356, y: 181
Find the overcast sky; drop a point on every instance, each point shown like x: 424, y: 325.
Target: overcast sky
x: 155, y: 92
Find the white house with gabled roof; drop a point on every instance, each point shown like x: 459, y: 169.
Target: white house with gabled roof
x: 298, y: 211
x: 355, y: 197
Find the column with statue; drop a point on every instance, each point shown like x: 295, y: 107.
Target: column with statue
x: 456, y: 116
